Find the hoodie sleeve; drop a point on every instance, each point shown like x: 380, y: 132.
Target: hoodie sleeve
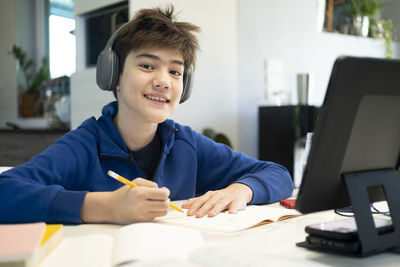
x: 220, y: 166
x: 47, y: 188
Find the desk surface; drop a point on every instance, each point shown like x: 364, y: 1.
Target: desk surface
x: 273, y: 243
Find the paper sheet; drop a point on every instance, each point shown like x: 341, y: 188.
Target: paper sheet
x: 225, y: 222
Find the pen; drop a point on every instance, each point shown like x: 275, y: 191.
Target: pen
x: 132, y: 184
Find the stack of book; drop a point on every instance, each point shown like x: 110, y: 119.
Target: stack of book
x: 28, y: 244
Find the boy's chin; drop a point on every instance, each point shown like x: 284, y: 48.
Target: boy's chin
x: 159, y: 119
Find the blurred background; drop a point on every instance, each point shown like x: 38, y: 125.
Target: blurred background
x: 260, y: 79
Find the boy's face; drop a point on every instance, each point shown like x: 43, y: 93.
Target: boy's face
x: 151, y: 83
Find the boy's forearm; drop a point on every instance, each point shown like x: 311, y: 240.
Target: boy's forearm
x: 96, y: 208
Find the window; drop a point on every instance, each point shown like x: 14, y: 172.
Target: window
x: 100, y: 24
x: 62, y: 46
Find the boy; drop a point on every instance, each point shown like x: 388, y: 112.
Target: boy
x: 68, y: 182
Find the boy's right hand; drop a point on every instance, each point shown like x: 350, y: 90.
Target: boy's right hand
x: 126, y: 204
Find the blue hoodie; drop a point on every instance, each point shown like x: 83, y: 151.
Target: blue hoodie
x: 51, y: 187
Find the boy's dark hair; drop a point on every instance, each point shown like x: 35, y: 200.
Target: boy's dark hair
x: 157, y: 28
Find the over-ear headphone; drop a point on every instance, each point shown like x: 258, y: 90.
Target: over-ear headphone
x: 107, y: 70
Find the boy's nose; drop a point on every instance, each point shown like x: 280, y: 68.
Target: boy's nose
x: 161, y: 81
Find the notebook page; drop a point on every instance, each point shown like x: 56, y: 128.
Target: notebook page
x: 87, y: 250
x: 225, y: 222
x: 151, y: 241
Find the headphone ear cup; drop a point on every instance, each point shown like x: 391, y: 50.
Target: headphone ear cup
x: 107, y: 73
x: 187, y: 85
x: 107, y: 70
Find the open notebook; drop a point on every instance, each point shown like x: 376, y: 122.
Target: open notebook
x: 159, y: 241
x: 132, y: 244
x: 224, y: 222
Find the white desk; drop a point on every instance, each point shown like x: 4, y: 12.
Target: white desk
x: 267, y: 245
x: 271, y: 244
x: 3, y: 168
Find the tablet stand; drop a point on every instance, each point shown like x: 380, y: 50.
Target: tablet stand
x: 357, y: 185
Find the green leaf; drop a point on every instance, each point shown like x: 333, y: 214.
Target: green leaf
x: 210, y: 133
x: 221, y: 138
x: 33, y: 80
x: 217, y: 137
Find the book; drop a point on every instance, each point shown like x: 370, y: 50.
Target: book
x: 172, y: 240
x: 131, y: 244
x: 252, y: 216
x: 27, y: 244
x: 52, y: 237
x: 19, y: 243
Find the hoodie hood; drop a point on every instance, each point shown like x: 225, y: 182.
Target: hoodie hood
x: 111, y: 142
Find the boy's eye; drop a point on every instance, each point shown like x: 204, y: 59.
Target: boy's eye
x: 146, y: 66
x: 175, y: 72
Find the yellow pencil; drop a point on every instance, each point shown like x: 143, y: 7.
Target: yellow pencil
x: 132, y: 184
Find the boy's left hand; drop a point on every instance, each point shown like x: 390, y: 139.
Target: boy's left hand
x: 232, y: 198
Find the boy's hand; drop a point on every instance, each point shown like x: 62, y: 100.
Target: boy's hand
x: 233, y: 198
x: 127, y: 204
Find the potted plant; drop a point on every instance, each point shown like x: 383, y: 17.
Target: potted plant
x: 387, y: 33
x: 33, y: 82
x: 383, y: 29
x: 366, y: 21
x: 217, y: 137
x: 362, y: 12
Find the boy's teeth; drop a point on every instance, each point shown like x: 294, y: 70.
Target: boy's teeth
x: 156, y: 98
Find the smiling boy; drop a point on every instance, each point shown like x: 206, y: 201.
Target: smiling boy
x: 68, y: 182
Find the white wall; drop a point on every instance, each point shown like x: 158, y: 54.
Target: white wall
x: 287, y: 30
x: 214, y: 99
x: 8, y: 72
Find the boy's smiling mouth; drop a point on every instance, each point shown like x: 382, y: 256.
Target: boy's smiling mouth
x: 156, y: 98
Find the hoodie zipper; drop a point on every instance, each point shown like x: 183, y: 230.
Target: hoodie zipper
x: 162, y: 153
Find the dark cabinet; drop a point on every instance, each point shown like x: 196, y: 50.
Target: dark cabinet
x: 279, y: 127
